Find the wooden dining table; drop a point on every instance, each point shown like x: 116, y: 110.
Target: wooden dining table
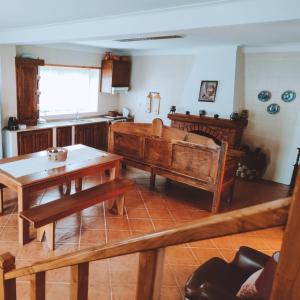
x: 27, y: 174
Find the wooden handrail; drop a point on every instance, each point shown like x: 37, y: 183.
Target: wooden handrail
x: 256, y: 217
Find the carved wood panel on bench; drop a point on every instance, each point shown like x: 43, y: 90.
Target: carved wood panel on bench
x: 178, y: 155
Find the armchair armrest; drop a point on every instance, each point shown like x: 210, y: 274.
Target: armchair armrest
x: 212, y: 292
x: 249, y: 260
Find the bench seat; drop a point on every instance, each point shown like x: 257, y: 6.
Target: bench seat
x: 43, y: 217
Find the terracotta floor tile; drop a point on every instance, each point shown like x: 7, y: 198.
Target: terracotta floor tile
x: 228, y: 254
x: 116, y: 235
x: 66, y: 235
x: 98, y: 273
x: 203, y: 255
x: 117, y: 223
x: 143, y: 225
x: 157, y: 203
x: 126, y: 259
x: 160, y: 214
x: 58, y: 291
x: 170, y: 293
x: 10, y: 234
x: 23, y: 290
x: 92, y: 237
x: 61, y: 275
x: 93, y: 222
x: 182, y: 273
x: 168, y: 276
x: 163, y: 224
x: 99, y: 292
x: 203, y: 244
x: 123, y: 273
x: 180, y: 255
x: 123, y: 292
x: 137, y: 213
x: 73, y: 221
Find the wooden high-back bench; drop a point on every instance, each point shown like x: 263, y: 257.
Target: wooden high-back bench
x: 176, y: 154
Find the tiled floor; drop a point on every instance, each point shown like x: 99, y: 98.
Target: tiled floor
x: 146, y: 211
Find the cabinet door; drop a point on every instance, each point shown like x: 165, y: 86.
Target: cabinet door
x: 27, y: 89
x: 121, y: 74
x: 84, y: 135
x: 64, y: 136
x: 100, y: 131
x: 43, y: 139
x: 25, y: 142
x: 106, y: 76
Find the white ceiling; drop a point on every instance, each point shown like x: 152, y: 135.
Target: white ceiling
x: 99, y: 23
x: 20, y: 13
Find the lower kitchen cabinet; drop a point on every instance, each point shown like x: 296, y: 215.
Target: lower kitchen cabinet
x: 93, y: 135
x: 34, y: 140
x: 63, y: 136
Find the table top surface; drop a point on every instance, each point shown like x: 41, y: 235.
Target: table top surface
x: 27, y: 169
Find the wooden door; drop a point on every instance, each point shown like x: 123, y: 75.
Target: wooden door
x: 27, y: 90
x: 25, y: 142
x: 64, y: 136
x: 84, y: 135
x: 100, y: 132
x: 43, y: 139
x: 121, y: 74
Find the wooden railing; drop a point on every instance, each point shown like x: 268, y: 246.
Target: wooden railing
x: 151, y: 247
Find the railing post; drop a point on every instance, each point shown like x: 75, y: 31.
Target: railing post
x: 7, y: 287
x: 37, y: 286
x: 150, y: 274
x: 79, y: 281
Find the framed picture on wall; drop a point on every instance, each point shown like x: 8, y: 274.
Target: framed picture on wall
x: 208, y: 90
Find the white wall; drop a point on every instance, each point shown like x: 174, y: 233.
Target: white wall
x: 178, y: 78
x: 72, y: 57
x: 278, y: 135
x: 8, y: 94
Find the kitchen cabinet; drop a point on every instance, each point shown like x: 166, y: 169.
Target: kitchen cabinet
x: 63, y: 136
x: 114, y: 73
x: 93, y: 135
x: 34, y: 140
x: 27, y: 89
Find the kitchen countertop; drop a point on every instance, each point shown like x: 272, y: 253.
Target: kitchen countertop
x: 63, y: 123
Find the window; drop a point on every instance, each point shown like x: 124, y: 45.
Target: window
x: 68, y: 90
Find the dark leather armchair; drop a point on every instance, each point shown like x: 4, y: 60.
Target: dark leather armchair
x: 218, y: 280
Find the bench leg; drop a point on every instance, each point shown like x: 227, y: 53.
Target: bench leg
x: 49, y: 232
x: 152, y: 180
x: 118, y: 206
x: 78, y: 184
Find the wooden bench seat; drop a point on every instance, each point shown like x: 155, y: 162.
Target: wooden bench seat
x: 43, y: 217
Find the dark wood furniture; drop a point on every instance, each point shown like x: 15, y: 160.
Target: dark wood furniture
x: 63, y: 136
x: 27, y: 89
x: 92, y: 135
x: 34, y: 141
x: 216, y: 279
x: 43, y: 217
x: 230, y: 131
x: 28, y: 184
x: 175, y: 154
x: 114, y: 74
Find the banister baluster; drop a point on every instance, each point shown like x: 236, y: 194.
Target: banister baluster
x: 79, y: 281
x: 150, y: 273
x: 37, y: 286
x: 7, y: 287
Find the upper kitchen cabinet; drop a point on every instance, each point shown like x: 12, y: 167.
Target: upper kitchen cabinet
x: 115, y: 74
x: 27, y: 89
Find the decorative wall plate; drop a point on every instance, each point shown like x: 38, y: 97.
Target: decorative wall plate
x: 273, y: 109
x: 288, y: 96
x: 264, y: 96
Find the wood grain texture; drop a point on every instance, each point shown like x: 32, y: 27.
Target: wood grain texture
x: 7, y: 287
x: 184, y: 157
x: 151, y: 264
x: 52, y: 211
x: 256, y: 217
x: 79, y: 281
x: 38, y: 286
x: 64, y: 136
x: 287, y: 277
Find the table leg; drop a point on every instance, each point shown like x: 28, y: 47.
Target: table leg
x: 65, y: 189
x: 115, y: 205
x: 78, y: 184
x: 23, y: 203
